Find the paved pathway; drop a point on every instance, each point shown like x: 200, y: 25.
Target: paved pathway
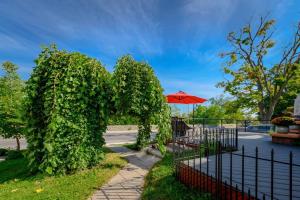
x: 128, y: 183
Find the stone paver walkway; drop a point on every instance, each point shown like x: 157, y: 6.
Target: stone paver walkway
x: 128, y: 183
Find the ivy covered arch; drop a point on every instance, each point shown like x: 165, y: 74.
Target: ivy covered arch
x: 137, y: 92
x: 69, y: 99
x: 68, y: 104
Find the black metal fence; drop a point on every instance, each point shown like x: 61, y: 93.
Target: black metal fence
x: 195, y: 134
x: 209, y: 161
x: 262, y: 126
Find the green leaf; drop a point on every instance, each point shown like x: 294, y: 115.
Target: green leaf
x: 49, y: 147
x: 49, y: 170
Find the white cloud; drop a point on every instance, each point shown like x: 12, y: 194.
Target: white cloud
x: 9, y: 43
x: 113, y: 27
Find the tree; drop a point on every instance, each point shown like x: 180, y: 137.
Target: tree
x: 220, y: 108
x: 137, y: 92
x: 289, y: 95
x: 11, y: 103
x: 253, y: 83
x: 67, y: 111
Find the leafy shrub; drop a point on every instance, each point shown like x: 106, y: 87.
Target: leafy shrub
x: 138, y: 93
x: 122, y: 120
x: 283, y: 121
x: 13, y: 154
x: 3, y: 152
x: 67, y: 111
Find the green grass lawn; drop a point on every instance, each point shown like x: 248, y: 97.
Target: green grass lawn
x: 16, y: 182
x: 160, y: 184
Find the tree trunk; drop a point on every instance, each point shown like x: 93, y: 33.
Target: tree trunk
x: 266, y: 118
x: 266, y: 113
x: 262, y: 112
x: 18, y: 143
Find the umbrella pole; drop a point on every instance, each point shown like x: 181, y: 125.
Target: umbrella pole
x: 193, y: 117
x: 188, y: 118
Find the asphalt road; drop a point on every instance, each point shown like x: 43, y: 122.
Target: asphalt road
x: 111, y: 137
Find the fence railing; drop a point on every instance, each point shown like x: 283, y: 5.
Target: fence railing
x: 210, y: 162
x: 263, y: 126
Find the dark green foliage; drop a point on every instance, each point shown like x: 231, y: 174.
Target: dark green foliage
x: 14, y: 169
x: 138, y: 93
x: 122, y: 120
x: 67, y: 111
x: 12, y: 154
x: 3, y: 152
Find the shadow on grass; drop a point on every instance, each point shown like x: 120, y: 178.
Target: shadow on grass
x: 14, y: 169
x: 11, y: 170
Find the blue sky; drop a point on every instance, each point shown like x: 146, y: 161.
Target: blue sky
x: 180, y: 39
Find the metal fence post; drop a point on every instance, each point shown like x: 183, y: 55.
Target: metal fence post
x: 249, y: 194
x: 173, y: 145
x: 236, y: 139
x: 203, y: 123
x: 243, y: 170
x: 256, y: 171
x: 230, y: 181
x: 207, y: 166
x: 225, y: 190
x: 200, y: 167
x: 272, y: 173
x: 291, y: 176
x: 236, y: 192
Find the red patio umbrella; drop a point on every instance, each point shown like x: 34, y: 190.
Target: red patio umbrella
x: 184, y: 98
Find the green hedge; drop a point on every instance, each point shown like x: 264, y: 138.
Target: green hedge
x: 138, y: 93
x: 67, y: 111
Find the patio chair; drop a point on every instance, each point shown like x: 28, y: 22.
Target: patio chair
x: 179, y: 127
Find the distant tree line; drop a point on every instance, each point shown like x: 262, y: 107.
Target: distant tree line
x: 221, y: 107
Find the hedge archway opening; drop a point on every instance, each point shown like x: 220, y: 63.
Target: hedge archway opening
x: 137, y: 92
